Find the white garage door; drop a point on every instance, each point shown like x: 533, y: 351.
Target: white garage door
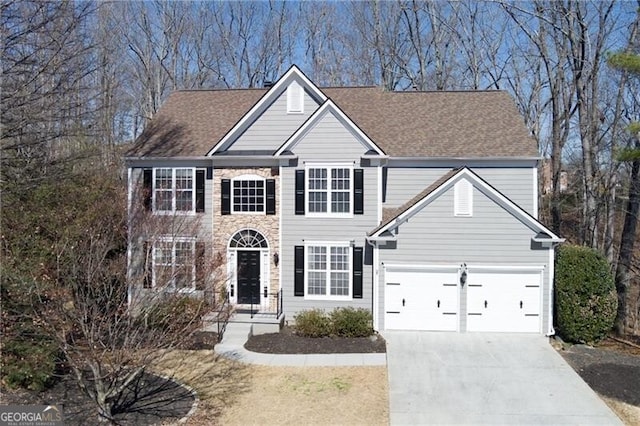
x: 503, y: 301
x: 421, y: 300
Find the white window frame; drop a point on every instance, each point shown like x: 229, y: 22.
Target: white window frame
x: 264, y: 193
x: 463, y: 198
x: 173, y: 240
x: 328, y: 167
x: 295, y: 106
x: 349, y: 271
x: 173, y: 191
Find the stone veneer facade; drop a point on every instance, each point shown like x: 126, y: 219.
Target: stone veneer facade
x: 226, y: 226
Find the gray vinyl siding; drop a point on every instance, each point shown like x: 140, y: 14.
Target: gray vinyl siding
x: 274, y: 126
x: 492, y: 236
x: 296, y: 229
x: 329, y: 140
x: 516, y: 183
x: 198, y: 225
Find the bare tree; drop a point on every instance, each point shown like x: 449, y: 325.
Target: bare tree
x: 111, y: 327
x: 46, y: 102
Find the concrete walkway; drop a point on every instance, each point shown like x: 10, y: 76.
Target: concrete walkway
x: 478, y: 378
x: 236, y: 335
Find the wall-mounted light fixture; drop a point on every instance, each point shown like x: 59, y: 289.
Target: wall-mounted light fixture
x: 276, y: 258
x: 463, y: 274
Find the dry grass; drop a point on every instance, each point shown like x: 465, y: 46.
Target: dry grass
x: 629, y: 414
x: 239, y: 394
x: 313, y: 396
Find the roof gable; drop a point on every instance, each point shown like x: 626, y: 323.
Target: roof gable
x: 294, y: 74
x: 423, y: 199
x: 329, y: 107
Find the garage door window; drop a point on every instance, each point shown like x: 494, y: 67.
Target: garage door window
x: 328, y: 271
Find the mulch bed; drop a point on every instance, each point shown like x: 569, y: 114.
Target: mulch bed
x: 150, y: 401
x: 612, y: 368
x: 287, y: 342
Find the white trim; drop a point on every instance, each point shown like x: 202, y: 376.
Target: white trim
x: 376, y: 287
x: 328, y: 245
x: 550, y: 277
x: 276, y: 90
x: 379, y: 204
x: 482, y: 186
x: 327, y: 106
x: 280, y: 215
x: 328, y: 167
x: 265, y: 268
x: 129, y: 236
x: 535, y: 193
x: 427, y: 267
x: 506, y: 268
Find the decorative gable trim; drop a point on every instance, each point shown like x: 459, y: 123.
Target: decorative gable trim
x: 423, y: 199
x: 293, y: 74
x: 463, y: 198
x: 329, y: 107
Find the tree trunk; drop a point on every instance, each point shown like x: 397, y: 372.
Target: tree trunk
x: 627, y: 241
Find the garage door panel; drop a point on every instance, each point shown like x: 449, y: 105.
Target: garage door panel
x: 503, y: 301
x: 421, y: 300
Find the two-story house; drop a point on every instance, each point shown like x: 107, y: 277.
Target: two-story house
x: 418, y: 206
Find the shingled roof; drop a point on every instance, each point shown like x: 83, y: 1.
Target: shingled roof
x: 403, y: 124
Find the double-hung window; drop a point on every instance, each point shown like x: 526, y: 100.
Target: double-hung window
x: 174, y: 190
x: 174, y: 263
x: 328, y: 272
x: 248, y: 195
x: 329, y: 190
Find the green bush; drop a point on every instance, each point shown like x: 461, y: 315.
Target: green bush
x: 343, y: 322
x: 351, y: 322
x: 29, y: 363
x: 313, y: 323
x: 586, y: 300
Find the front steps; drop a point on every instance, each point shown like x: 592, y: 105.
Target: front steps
x: 258, y: 323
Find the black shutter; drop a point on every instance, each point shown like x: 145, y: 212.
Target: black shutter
x: 226, y: 196
x: 358, y: 192
x: 357, y: 272
x: 147, y: 188
x: 271, y: 196
x: 199, y: 262
x: 147, y: 252
x: 299, y: 191
x: 209, y: 173
x: 199, y: 191
x: 298, y: 282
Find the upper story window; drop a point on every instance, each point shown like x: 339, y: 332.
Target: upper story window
x: 329, y: 190
x: 174, y: 189
x: 248, y: 195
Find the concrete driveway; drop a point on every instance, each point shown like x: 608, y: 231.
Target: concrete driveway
x: 481, y: 378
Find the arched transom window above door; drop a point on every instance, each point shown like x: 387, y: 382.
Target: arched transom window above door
x: 248, y: 238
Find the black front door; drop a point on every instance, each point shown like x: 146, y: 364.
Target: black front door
x: 249, y: 277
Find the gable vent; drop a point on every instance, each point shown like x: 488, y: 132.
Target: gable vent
x: 463, y: 198
x: 295, y: 98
